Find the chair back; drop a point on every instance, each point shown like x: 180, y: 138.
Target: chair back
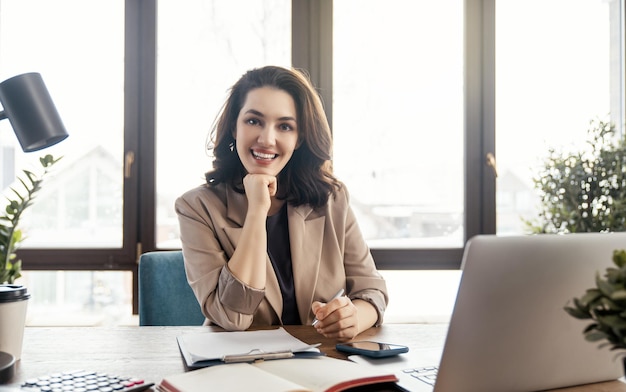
x: 165, y: 297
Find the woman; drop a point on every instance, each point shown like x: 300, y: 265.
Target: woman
x: 270, y: 239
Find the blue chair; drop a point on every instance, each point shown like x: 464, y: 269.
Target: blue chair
x: 165, y: 297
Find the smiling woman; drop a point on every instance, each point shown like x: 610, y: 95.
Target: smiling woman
x: 272, y: 200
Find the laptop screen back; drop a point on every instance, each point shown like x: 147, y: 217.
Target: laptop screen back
x: 508, y: 330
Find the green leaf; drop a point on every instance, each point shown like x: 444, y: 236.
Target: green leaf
x: 605, y: 304
x: 613, y: 275
x: 31, y: 177
x: 590, y: 296
x: 612, y: 321
x: 577, y: 313
x: 596, y: 336
x: 619, y: 257
x: 590, y: 327
x: 604, y: 286
x: 619, y: 295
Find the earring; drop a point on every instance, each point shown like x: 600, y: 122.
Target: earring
x: 231, y: 146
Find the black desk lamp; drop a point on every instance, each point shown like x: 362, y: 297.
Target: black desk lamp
x: 37, y: 125
x: 29, y: 107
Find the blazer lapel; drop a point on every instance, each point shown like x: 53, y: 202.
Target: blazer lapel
x: 305, y: 236
x: 237, y: 207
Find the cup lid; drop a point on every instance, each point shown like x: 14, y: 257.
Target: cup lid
x: 12, y: 293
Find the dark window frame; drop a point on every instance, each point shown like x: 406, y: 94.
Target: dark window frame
x: 139, y: 141
x: 311, y: 50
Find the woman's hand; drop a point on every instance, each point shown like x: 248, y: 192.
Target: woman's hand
x: 259, y: 190
x: 337, y: 319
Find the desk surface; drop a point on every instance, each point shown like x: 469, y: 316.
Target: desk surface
x: 152, y: 352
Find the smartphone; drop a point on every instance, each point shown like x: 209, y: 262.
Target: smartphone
x: 372, y: 349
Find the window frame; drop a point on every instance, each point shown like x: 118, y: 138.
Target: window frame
x: 480, y: 195
x: 312, y: 50
x: 137, y: 43
x: 139, y: 181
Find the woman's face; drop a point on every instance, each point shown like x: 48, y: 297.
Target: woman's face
x: 267, y: 131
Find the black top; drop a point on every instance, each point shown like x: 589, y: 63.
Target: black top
x: 280, y: 255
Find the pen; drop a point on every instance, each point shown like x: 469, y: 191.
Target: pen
x: 256, y: 357
x: 339, y: 294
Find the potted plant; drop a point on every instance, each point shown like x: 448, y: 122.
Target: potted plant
x: 10, y: 234
x: 14, y: 298
x: 605, y: 305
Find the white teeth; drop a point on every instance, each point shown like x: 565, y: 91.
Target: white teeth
x: 263, y: 156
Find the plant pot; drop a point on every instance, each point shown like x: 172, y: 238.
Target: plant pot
x: 13, y: 304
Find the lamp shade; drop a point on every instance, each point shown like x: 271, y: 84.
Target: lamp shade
x: 33, y: 116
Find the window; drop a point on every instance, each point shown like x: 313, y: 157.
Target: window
x: 550, y: 83
x: 81, y: 207
x: 204, y: 46
x: 78, y: 214
x: 398, y: 119
x: 410, y: 87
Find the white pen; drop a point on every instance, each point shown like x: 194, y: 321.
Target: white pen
x: 339, y: 294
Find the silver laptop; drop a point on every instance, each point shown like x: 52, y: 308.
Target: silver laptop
x: 508, y: 330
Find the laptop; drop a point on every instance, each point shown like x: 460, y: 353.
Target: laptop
x: 508, y: 330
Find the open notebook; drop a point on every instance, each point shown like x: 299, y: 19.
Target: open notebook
x: 508, y: 330
x: 320, y: 374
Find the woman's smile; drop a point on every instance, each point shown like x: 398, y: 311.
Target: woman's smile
x: 263, y: 156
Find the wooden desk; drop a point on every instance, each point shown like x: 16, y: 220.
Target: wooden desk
x: 152, y: 352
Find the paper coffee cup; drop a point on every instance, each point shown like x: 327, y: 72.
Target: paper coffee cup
x: 13, y: 303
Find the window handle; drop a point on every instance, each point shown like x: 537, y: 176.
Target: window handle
x: 491, y: 162
x: 129, y: 159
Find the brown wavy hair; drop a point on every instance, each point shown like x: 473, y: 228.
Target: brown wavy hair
x: 307, y: 178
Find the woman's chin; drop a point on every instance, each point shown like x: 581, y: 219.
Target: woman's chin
x: 261, y: 169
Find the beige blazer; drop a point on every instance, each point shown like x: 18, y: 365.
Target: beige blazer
x: 327, y: 251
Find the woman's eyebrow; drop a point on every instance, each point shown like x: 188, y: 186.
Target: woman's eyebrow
x: 257, y: 113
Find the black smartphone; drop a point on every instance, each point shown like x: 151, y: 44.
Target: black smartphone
x: 372, y: 349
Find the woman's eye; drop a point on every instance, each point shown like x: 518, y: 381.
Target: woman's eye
x: 286, y: 127
x: 252, y: 121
